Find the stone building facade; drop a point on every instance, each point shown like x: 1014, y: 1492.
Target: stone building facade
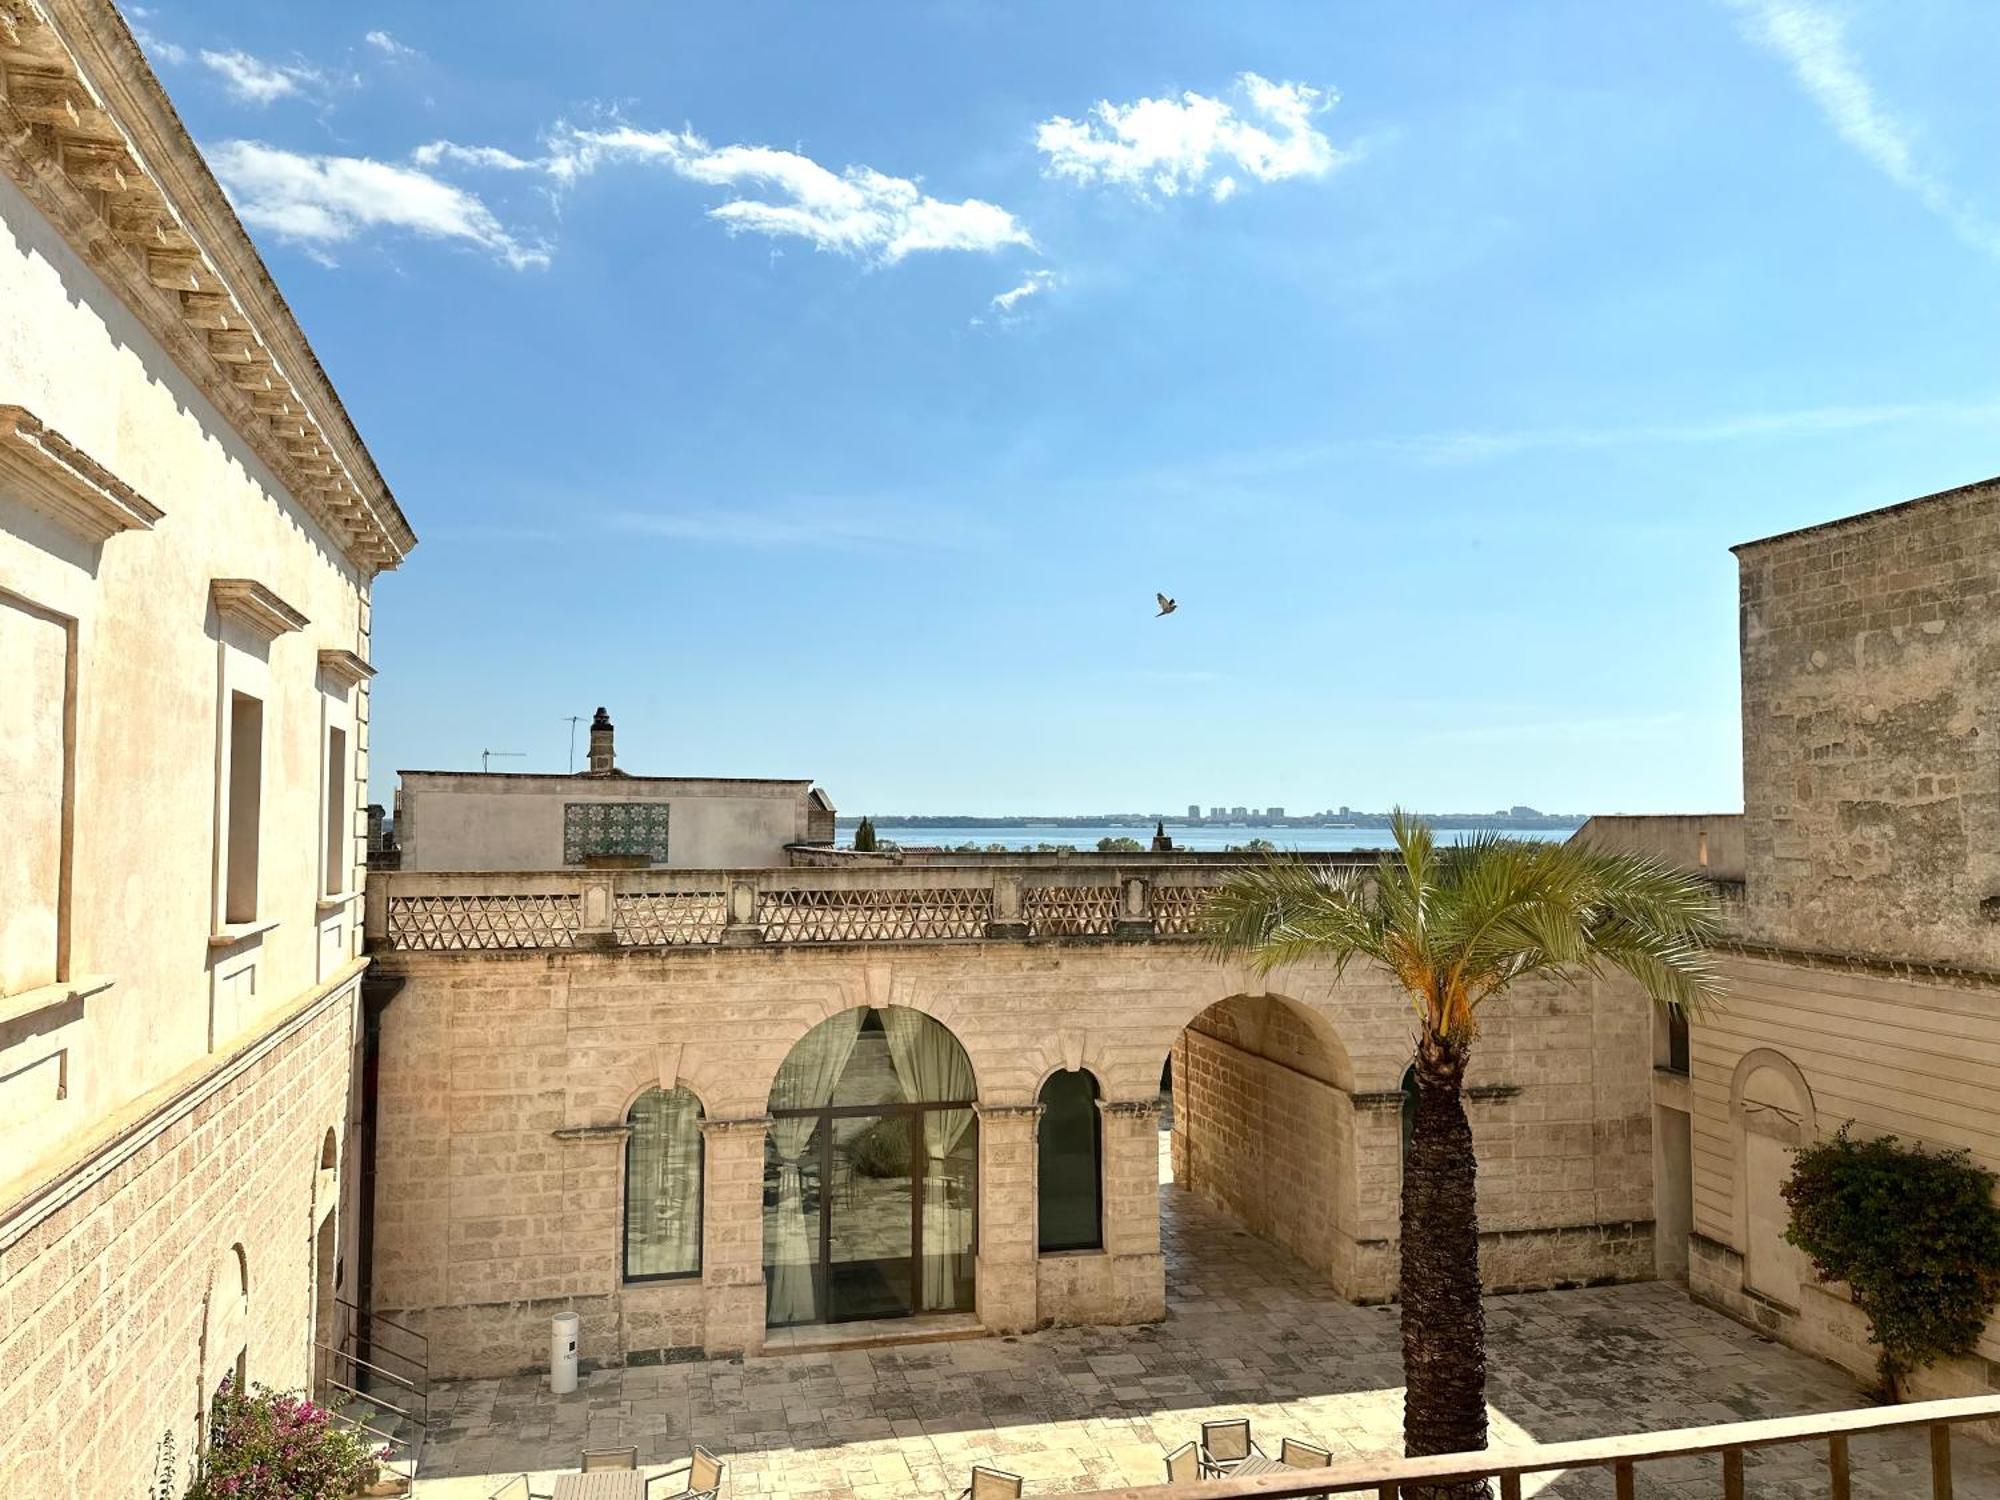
x: 493, y: 820
x: 189, y: 530
x: 517, y: 1050
x: 1863, y: 969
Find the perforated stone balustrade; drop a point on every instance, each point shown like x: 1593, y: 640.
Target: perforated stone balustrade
x: 1049, y: 897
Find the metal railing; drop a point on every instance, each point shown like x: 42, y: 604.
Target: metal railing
x: 1622, y: 1457
x: 1134, y: 898
x: 376, y: 1380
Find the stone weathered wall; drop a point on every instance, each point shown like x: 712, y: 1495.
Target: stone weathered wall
x: 106, y: 1284
x: 499, y: 1193
x: 1805, y: 1047
x: 1871, y: 731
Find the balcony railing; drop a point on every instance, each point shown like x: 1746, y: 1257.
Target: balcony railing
x: 1624, y: 1458
x: 926, y: 903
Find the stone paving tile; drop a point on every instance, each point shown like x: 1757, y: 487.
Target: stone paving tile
x: 1249, y: 1332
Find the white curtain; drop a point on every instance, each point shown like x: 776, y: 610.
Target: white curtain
x: 806, y: 1081
x: 932, y: 1067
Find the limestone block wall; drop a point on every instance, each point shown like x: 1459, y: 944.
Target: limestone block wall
x: 1871, y: 746
x: 121, y: 1299
x: 1799, y: 1049
x: 504, y: 1079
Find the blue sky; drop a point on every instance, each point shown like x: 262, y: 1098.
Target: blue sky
x: 828, y: 388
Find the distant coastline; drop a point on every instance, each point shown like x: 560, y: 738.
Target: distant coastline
x: 1521, y: 818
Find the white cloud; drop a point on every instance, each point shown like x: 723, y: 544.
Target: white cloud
x: 859, y: 211
x: 1172, y: 146
x: 1034, y: 285
x: 255, y: 81
x: 388, y: 46
x: 324, y: 201
x: 1812, y: 41
x: 491, y: 157
x: 156, y: 47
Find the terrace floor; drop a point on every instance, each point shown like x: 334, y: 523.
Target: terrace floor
x: 1249, y: 1332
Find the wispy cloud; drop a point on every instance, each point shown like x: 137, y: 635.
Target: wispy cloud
x: 254, y: 81
x: 858, y: 211
x: 837, y: 524
x: 389, y: 47
x: 1476, y: 446
x: 491, y: 158
x: 1812, y: 40
x: 1034, y: 285
x: 325, y: 201
x: 1195, y: 142
x: 156, y: 47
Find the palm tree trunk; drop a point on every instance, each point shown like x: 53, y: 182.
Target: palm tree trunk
x: 1444, y: 1326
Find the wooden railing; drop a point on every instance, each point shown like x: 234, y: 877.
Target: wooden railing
x: 1622, y: 1457
x: 932, y: 902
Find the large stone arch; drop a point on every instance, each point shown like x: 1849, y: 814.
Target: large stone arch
x: 1265, y: 1125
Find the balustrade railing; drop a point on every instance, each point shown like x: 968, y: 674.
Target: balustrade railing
x: 496, y: 912
x: 1624, y: 1459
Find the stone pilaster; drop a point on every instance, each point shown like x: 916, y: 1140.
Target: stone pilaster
x: 732, y: 1235
x: 1131, y: 1168
x: 1007, y: 1216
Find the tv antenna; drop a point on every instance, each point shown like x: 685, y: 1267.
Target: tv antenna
x: 486, y: 757
x: 573, y: 720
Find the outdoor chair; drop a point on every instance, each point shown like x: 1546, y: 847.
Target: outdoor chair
x: 704, y: 1478
x: 1224, y: 1445
x: 609, y: 1458
x: 991, y: 1484
x: 515, y: 1489
x: 1297, y: 1455
x: 1184, y: 1465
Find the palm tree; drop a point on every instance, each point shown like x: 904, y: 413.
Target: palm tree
x: 1457, y: 926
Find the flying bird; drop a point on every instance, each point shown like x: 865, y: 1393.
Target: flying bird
x: 1167, y: 606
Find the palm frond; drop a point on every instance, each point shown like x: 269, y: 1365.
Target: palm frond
x: 1285, y: 911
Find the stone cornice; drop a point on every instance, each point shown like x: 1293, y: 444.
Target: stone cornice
x: 88, y: 134
x: 250, y: 604
x: 344, y: 667
x: 62, y: 482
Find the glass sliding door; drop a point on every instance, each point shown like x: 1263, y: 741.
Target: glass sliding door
x: 869, y: 1247
x: 870, y: 1173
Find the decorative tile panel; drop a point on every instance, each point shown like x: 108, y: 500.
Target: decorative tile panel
x: 621, y: 828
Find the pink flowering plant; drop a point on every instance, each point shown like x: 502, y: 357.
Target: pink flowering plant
x: 277, y: 1445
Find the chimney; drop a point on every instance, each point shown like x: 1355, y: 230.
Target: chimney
x: 602, y: 762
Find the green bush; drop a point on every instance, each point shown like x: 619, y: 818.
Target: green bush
x: 864, y: 837
x: 1120, y: 846
x: 1914, y: 1234
x: 882, y: 1150
x: 274, y: 1445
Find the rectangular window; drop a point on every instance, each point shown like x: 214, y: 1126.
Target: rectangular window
x: 339, y: 835
x: 246, y: 795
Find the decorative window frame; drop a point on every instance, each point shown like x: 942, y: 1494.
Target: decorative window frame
x: 249, y: 619
x: 57, y: 478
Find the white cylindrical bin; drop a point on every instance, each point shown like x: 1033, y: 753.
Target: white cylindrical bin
x: 563, y: 1331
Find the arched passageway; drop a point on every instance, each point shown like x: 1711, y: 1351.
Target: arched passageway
x: 1263, y: 1127
x: 870, y: 1172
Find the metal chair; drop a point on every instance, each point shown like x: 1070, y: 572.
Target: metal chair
x: 991, y: 1484
x: 514, y: 1489
x: 609, y: 1458
x: 1226, y: 1444
x: 1184, y: 1465
x: 1297, y: 1455
x: 704, y: 1478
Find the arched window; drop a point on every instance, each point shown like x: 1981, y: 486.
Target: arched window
x: 663, y: 1186
x: 1071, y: 1164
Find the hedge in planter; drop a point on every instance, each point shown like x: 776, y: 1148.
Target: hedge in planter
x: 1914, y: 1234
x: 271, y: 1445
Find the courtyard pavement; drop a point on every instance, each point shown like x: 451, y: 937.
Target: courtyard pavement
x: 1249, y: 1332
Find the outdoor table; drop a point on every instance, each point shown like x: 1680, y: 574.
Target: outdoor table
x: 602, y: 1484
x: 1256, y: 1463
